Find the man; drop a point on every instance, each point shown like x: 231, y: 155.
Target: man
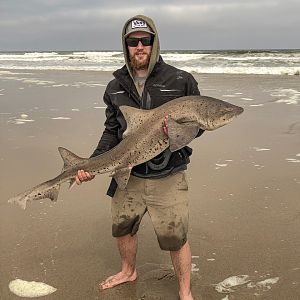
x: 158, y: 186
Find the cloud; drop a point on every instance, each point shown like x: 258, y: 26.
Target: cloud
x: 96, y: 24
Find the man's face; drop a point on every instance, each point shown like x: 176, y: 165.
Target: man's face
x: 140, y: 55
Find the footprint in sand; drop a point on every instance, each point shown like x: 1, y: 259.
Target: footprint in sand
x: 293, y: 128
x: 157, y: 281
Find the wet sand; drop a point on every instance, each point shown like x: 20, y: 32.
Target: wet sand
x: 244, y: 183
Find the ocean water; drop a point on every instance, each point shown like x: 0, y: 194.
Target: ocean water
x: 276, y: 62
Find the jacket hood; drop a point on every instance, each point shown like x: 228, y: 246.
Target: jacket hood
x: 155, y: 47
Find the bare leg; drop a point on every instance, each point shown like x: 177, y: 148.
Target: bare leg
x: 127, y: 247
x: 182, y: 262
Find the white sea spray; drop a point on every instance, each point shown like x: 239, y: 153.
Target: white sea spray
x: 279, y: 62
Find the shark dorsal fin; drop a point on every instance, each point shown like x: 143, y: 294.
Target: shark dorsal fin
x: 70, y: 159
x: 134, y: 118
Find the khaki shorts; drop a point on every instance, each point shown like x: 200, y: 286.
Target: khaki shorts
x: 166, y: 201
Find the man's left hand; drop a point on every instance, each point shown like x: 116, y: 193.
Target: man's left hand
x: 165, y: 125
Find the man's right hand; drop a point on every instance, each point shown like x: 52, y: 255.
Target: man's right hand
x: 83, y: 176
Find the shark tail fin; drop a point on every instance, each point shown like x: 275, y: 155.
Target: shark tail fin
x: 70, y: 159
x: 72, y: 183
x: 21, y: 200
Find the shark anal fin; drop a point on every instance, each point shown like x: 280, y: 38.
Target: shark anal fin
x: 122, y: 176
x: 181, y: 134
x: 72, y: 182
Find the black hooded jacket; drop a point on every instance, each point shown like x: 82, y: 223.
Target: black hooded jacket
x: 165, y: 83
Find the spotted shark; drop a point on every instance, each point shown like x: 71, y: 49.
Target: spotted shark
x: 143, y: 140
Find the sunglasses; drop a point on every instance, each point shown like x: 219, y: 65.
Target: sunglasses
x: 133, y: 42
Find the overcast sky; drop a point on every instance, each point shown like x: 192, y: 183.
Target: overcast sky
x: 186, y: 24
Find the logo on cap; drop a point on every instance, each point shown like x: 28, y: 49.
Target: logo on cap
x: 138, y: 24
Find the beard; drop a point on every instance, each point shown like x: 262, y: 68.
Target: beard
x: 139, y: 64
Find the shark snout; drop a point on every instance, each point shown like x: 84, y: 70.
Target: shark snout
x: 231, y: 112
x: 234, y: 110
x: 238, y: 110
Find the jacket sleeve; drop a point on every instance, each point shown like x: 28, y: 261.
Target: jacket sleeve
x: 109, y: 138
x: 192, y: 89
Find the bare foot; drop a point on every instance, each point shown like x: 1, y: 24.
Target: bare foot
x: 117, y: 279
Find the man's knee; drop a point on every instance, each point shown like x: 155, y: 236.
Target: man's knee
x: 171, y: 242
x: 127, y: 225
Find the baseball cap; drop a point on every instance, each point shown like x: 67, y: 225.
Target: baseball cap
x: 137, y: 25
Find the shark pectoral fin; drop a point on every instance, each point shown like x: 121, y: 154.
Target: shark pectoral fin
x: 122, y: 176
x: 181, y: 134
x: 53, y: 193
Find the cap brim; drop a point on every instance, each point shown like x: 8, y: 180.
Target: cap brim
x: 138, y: 30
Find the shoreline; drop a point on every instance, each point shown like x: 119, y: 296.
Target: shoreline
x: 110, y: 72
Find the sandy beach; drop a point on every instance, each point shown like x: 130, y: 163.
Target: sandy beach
x: 244, y: 182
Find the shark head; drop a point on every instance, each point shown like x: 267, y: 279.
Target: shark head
x: 224, y: 116
x: 217, y: 113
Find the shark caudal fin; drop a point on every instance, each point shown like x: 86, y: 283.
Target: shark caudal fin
x: 39, y: 192
x: 19, y: 200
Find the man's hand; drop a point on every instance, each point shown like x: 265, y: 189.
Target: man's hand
x: 165, y: 125
x: 83, y: 176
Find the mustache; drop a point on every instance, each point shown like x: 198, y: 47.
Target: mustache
x: 140, y: 52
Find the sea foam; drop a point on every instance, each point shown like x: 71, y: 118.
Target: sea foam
x: 227, y: 284
x: 61, y: 118
x: 30, y: 289
x: 287, y: 96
